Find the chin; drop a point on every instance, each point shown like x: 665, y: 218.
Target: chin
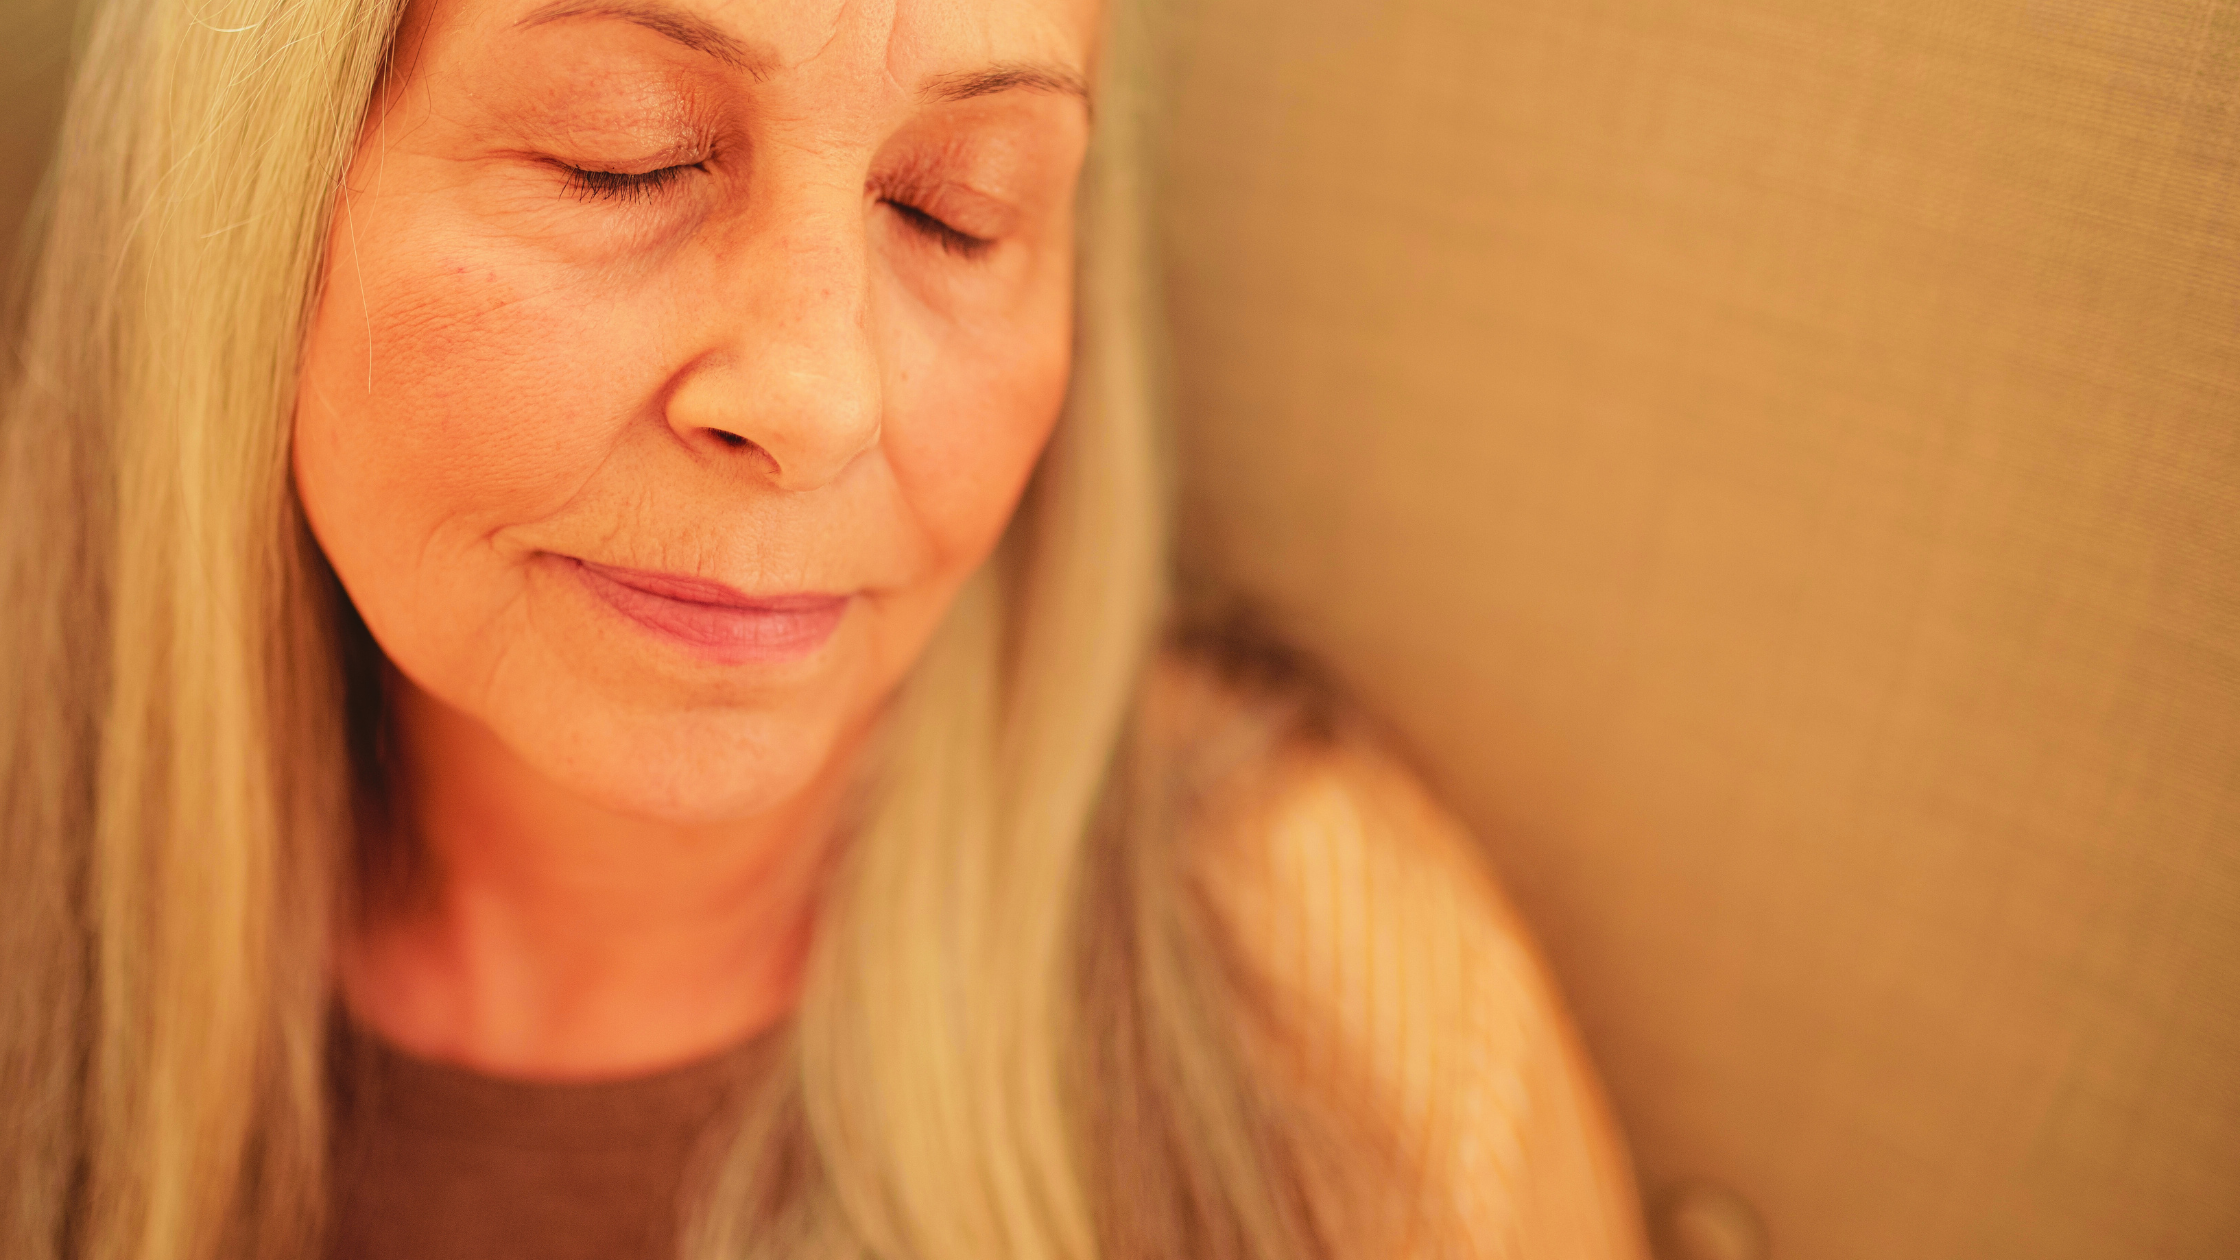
x: 681, y: 769
x: 627, y: 724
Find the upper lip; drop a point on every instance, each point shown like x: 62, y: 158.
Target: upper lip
x: 697, y: 590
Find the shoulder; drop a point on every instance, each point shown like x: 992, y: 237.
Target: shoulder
x: 1346, y: 888
x: 1325, y: 854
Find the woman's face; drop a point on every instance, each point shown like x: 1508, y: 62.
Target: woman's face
x: 677, y: 360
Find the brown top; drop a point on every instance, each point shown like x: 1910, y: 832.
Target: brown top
x: 434, y: 1162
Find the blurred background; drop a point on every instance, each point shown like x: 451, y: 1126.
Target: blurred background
x: 1778, y: 464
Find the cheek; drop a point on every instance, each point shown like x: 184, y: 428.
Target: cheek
x: 437, y: 385
x: 443, y: 397
x: 972, y: 417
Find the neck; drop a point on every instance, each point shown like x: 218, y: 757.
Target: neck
x: 535, y: 934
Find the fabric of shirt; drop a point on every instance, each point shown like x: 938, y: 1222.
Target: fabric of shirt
x: 435, y: 1162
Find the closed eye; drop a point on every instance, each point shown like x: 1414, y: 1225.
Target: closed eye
x: 962, y: 244
x: 591, y: 185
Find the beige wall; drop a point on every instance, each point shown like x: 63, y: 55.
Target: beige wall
x: 1779, y: 460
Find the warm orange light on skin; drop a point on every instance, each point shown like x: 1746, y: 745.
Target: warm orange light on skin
x: 696, y: 290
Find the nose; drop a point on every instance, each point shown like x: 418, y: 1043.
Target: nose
x: 786, y: 381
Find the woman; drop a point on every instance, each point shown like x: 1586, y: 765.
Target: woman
x: 577, y: 697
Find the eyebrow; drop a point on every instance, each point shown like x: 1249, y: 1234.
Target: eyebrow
x: 1006, y: 78
x: 688, y: 29
x: 701, y: 35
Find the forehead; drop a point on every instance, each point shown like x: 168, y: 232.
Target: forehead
x: 906, y: 42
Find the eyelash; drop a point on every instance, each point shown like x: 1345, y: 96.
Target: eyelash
x: 962, y: 244
x: 590, y: 185
x: 593, y: 185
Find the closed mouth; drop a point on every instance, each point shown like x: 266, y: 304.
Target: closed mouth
x: 717, y: 621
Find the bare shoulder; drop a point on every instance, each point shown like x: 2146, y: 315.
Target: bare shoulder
x: 1348, y: 888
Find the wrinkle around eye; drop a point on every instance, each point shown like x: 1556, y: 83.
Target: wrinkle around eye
x: 584, y: 208
x: 940, y: 206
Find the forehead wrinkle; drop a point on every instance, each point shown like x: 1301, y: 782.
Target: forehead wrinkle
x: 839, y: 24
x: 893, y: 53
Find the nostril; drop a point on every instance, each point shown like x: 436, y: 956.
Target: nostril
x: 756, y: 456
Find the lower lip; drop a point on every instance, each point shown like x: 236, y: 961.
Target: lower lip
x: 713, y: 623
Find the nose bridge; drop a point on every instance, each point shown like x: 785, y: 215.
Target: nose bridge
x: 788, y: 377
x: 811, y: 255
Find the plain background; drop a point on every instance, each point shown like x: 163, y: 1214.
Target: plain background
x: 1779, y: 461
x: 1778, y: 464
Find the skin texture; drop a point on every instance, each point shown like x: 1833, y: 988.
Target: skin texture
x: 813, y: 359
